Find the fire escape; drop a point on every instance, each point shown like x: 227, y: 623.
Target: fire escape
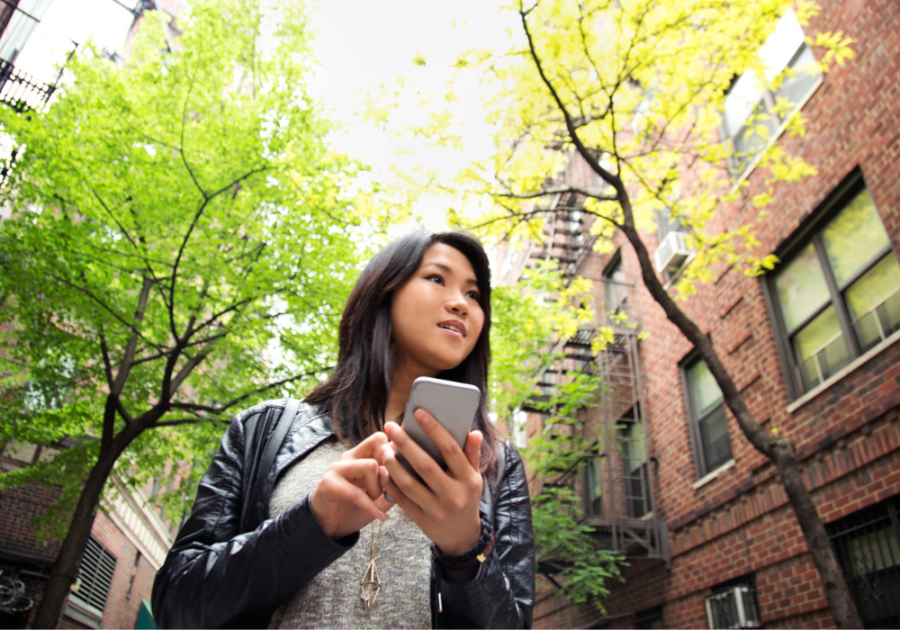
x: 18, y: 19
x: 612, y: 478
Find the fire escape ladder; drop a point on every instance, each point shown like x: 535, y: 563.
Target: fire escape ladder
x: 613, y: 479
x: 627, y: 522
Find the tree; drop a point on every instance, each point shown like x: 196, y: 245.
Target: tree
x: 181, y: 248
x: 635, y: 89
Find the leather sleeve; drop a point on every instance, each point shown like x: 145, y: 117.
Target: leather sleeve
x: 217, y: 577
x: 501, y: 595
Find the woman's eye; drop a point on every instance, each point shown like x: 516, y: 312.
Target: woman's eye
x: 474, y: 295
x: 435, y: 278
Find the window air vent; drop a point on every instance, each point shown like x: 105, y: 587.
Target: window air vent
x: 671, y: 253
x: 95, y: 575
x: 733, y: 608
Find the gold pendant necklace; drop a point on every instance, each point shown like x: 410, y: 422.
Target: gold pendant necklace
x: 370, y: 585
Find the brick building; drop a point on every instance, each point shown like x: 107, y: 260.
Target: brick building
x: 128, y: 543
x: 711, y: 539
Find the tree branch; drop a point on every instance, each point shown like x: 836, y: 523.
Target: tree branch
x: 608, y: 177
x: 130, y: 348
x: 188, y: 367
x: 180, y: 421
x: 184, y: 160
x: 593, y: 193
x: 242, y: 397
x: 107, y: 364
x: 102, y: 305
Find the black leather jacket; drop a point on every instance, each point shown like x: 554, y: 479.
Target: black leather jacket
x: 220, y: 574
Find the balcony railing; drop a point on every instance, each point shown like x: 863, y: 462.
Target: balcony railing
x: 21, y: 91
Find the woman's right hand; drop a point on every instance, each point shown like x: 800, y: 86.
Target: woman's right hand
x: 350, y: 496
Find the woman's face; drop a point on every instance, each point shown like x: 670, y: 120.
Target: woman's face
x: 436, y: 315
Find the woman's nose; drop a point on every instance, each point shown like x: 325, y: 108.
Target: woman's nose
x: 458, y: 305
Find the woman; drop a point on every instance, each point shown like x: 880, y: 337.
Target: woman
x: 311, y: 540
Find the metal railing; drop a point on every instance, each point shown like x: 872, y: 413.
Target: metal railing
x: 867, y: 545
x: 21, y: 91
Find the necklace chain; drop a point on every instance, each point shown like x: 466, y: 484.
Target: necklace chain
x: 370, y: 585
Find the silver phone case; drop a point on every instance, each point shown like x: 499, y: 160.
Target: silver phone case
x: 453, y: 405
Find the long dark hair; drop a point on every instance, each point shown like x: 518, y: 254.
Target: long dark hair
x: 356, y: 393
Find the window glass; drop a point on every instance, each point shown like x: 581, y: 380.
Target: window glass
x: 714, y: 436
x: 795, y: 88
x: 821, y: 348
x: 854, y: 237
x: 817, y: 334
x: 594, y: 487
x: 781, y: 45
x: 666, y: 223
x: 706, y: 391
x: 742, y: 98
x: 616, y: 291
x: 878, y: 283
x: 801, y: 288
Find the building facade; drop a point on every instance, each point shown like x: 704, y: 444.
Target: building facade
x: 128, y: 543
x: 812, y: 345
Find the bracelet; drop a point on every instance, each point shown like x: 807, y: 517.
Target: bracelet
x: 474, y: 556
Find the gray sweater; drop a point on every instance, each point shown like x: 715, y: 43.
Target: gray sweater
x: 332, y: 598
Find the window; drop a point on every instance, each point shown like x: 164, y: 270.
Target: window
x: 650, y: 618
x: 616, y: 288
x: 839, y: 294
x: 754, y: 114
x: 634, y: 465
x: 867, y: 545
x: 666, y: 224
x: 593, y: 486
x: 706, y: 412
x: 519, y: 428
x: 91, y: 588
x: 733, y: 604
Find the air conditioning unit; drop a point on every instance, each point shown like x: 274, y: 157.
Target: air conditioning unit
x: 671, y: 253
x: 733, y: 608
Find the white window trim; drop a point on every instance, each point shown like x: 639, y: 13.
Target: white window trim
x: 705, y: 479
x: 840, y: 374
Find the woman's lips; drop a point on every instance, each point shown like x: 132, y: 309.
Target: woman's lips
x: 453, y: 327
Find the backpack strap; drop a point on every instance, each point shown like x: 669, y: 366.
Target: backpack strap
x: 276, y: 438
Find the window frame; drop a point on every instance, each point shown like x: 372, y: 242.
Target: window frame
x: 811, y: 232
x: 865, y: 525
x: 609, y: 282
x: 739, y: 171
x: 595, y: 462
x: 701, y: 467
x: 628, y: 425
x: 745, y: 581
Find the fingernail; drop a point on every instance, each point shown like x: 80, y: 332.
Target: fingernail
x: 382, y: 472
x: 422, y: 417
x: 389, y: 429
x: 385, y: 450
x: 382, y: 516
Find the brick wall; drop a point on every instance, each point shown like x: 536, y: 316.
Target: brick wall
x: 133, y: 578
x: 21, y: 553
x: 848, y: 436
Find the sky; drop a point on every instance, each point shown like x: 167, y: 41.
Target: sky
x: 359, y: 44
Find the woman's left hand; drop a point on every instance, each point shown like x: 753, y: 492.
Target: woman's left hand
x: 446, y: 509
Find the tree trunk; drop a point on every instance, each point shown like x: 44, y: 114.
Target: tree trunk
x: 63, y: 573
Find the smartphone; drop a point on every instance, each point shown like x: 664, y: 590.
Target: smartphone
x: 452, y: 404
